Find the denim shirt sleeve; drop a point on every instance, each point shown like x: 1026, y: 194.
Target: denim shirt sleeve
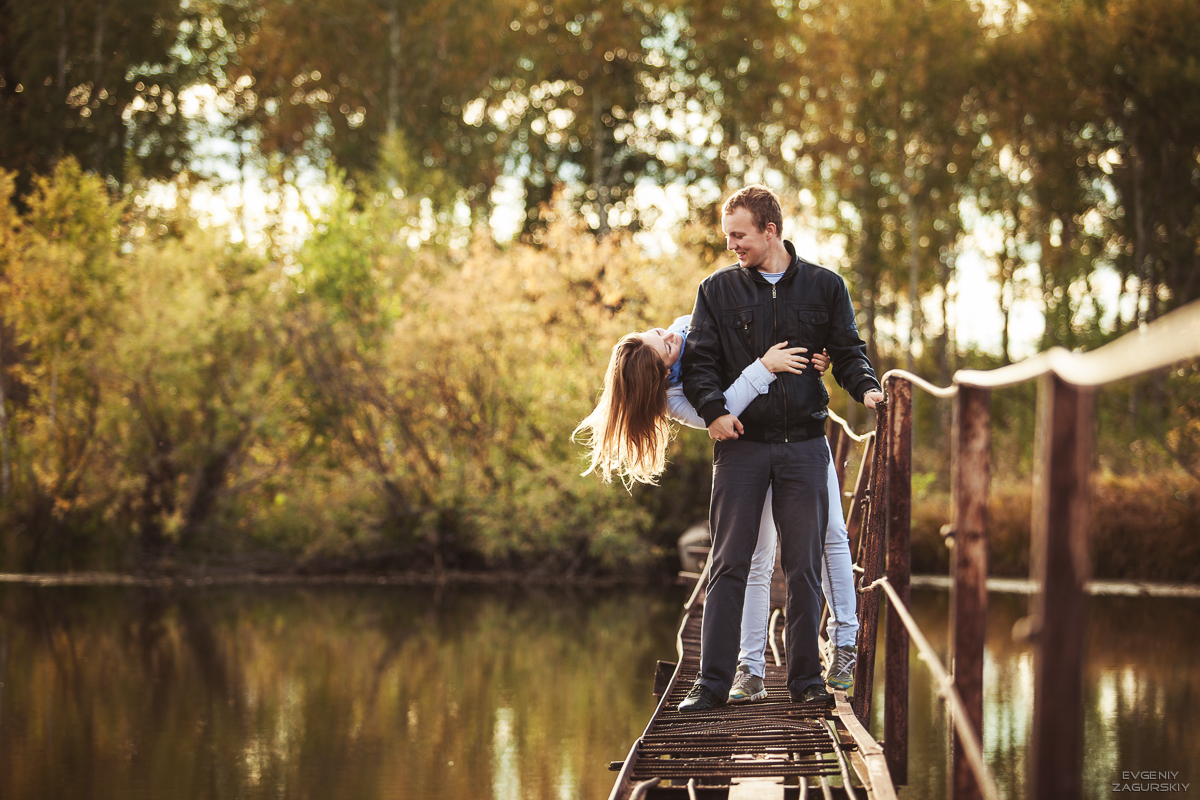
x: 754, y: 381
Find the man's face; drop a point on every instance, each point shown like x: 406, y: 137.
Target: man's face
x: 665, y: 343
x: 746, y: 240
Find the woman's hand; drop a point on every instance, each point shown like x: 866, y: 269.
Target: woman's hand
x: 782, y: 358
x: 820, y: 362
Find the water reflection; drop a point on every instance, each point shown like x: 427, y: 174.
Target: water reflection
x: 390, y: 693
x: 1141, y: 693
x: 406, y: 693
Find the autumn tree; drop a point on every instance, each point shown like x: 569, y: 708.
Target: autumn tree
x: 103, y: 81
x: 61, y: 285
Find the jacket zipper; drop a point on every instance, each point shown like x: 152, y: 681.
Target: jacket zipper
x: 782, y: 385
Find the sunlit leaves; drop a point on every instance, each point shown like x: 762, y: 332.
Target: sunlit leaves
x: 103, y: 81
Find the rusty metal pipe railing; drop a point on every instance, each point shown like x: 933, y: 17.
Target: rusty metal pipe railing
x: 1060, y: 537
x: 845, y: 426
x: 627, y: 767
x: 1170, y: 339
x: 842, y: 455
x: 771, y: 631
x: 640, y: 790
x: 854, y: 518
x: 972, y: 749
x: 841, y: 757
x: 882, y: 499
x: 917, y: 380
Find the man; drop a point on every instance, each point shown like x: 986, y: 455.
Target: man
x: 771, y: 295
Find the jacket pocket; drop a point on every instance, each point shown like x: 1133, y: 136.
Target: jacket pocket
x: 814, y: 325
x: 740, y: 323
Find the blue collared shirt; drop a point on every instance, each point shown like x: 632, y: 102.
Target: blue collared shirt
x: 680, y: 326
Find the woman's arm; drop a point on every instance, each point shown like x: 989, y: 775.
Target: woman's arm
x: 754, y: 380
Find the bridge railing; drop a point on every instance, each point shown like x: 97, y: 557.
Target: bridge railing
x: 1059, y: 550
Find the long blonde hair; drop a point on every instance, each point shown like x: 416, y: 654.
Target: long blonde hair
x: 628, y: 432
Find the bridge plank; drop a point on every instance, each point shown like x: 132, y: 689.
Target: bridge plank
x: 756, y: 789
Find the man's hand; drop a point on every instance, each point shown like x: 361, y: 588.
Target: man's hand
x: 726, y: 427
x: 869, y: 399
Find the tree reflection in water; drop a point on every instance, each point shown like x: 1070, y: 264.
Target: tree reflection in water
x: 348, y: 693
x: 389, y: 692
x: 1141, y: 693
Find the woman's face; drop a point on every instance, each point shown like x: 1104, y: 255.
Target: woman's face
x: 668, y: 345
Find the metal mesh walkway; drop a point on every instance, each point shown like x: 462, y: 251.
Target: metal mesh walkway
x: 773, y: 737
x: 774, y: 743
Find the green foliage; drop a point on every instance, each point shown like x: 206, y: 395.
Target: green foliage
x: 174, y: 397
x: 460, y: 408
x: 198, y: 376
x: 1071, y: 127
x: 396, y: 389
x: 103, y: 81
x: 61, y: 293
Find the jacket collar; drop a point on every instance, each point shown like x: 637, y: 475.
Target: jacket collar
x: 787, y: 273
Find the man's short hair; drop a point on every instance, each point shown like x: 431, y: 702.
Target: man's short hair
x: 762, y: 204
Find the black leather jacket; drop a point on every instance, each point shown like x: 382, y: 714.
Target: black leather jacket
x: 739, y: 315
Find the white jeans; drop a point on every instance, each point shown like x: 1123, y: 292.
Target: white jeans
x: 837, y: 581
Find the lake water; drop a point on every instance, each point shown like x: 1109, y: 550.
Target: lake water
x: 469, y: 692
x: 1141, y: 694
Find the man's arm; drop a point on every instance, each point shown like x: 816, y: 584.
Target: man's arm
x: 851, y: 369
x: 702, y: 362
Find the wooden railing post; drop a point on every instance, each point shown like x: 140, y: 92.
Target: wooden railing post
x: 854, y: 518
x: 1061, y: 566
x: 899, y: 527
x: 874, y: 548
x: 968, y: 602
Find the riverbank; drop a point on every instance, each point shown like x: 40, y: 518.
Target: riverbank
x: 199, y: 579
x: 1098, y: 588
x: 1144, y: 528
x: 499, y: 579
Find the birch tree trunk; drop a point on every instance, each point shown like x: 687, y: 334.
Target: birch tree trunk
x: 599, y: 185
x: 914, y: 285
x: 393, y: 88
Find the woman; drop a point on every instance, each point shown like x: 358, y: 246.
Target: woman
x: 627, y: 435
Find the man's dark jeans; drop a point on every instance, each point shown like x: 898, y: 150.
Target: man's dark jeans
x: 742, y: 471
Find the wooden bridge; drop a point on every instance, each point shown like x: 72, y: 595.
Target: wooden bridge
x: 779, y: 749
x: 771, y: 748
